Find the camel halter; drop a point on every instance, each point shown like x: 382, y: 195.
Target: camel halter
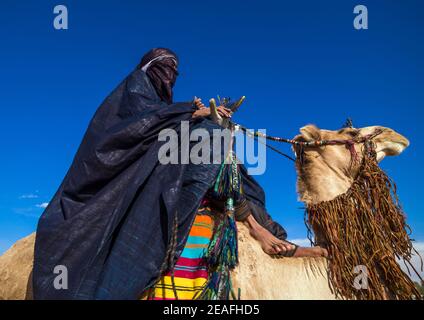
x: 301, y: 145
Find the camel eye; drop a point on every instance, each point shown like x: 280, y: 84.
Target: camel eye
x: 353, y: 133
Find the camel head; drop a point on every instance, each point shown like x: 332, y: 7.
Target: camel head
x: 327, y: 171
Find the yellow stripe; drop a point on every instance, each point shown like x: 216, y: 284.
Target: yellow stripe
x: 190, y: 284
x: 184, y: 282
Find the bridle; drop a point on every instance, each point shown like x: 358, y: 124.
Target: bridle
x: 301, y: 145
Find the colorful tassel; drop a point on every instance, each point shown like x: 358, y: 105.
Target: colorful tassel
x: 222, y: 257
x: 222, y: 253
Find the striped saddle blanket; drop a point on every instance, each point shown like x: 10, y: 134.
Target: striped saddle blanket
x: 190, y: 271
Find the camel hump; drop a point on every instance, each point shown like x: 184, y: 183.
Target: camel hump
x: 16, y: 269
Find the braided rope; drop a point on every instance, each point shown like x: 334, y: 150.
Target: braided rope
x: 300, y: 145
x: 315, y: 143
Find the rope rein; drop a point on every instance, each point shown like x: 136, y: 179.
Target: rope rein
x: 349, y: 143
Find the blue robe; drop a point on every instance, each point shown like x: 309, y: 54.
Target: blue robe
x: 111, y: 220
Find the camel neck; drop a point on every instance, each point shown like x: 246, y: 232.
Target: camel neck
x: 321, y: 182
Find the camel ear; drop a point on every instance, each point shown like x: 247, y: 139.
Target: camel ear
x: 310, y: 132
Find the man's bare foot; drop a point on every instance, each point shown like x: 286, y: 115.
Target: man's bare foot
x: 269, y: 243
x: 272, y: 245
x: 311, y: 252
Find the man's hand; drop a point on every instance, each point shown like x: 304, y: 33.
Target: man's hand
x: 198, y: 103
x: 204, y: 111
x: 225, y: 112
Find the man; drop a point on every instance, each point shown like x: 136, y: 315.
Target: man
x: 118, y: 208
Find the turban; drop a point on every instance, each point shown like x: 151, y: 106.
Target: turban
x: 160, y: 65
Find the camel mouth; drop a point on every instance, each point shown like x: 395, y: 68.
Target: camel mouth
x: 397, y: 147
x: 392, y: 149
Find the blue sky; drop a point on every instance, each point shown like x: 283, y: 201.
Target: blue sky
x: 298, y: 62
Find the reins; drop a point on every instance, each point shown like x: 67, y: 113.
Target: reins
x: 349, y: 143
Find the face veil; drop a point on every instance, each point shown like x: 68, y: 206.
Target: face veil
x: 160, y: 65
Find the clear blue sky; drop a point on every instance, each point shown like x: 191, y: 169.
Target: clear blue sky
x: 297, y: 62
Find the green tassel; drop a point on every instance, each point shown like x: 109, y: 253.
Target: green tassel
x: 228, y: 181
x: 222, y: 252
x: 222, y: 257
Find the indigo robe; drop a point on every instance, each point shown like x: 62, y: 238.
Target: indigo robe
x: 110, y: 221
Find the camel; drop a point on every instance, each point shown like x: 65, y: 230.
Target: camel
x: 326, y: 174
